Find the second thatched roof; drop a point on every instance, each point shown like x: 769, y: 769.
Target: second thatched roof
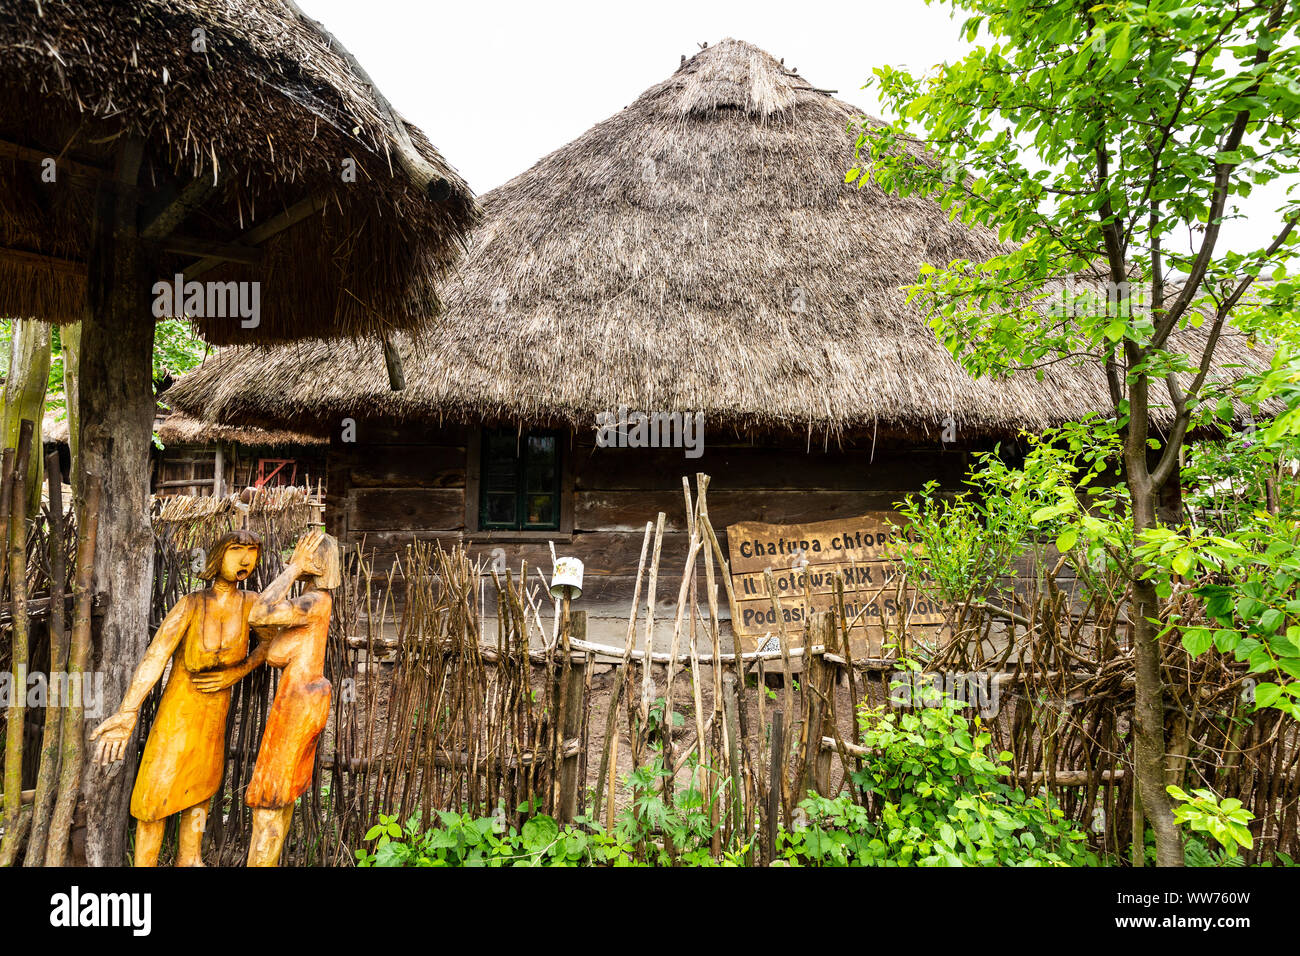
x: 180, y: 429
x: 697, y: 252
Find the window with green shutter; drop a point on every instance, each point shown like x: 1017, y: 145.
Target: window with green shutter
x: 519, y: 481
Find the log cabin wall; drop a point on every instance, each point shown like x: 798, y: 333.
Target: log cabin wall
x: 397, y: 483
x: 189, y: 470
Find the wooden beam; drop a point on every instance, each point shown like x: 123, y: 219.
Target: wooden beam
x: 29, y: 154
x: 259, y: 234
x: 38, y: 260
x: 393, y: 361
x: 218, y: 472
x: 186, y: 482
x: 117, y: 412
x: 225, y: 251
x: 172, y: 207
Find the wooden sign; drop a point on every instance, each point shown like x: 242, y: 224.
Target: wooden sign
x: 805, y: 560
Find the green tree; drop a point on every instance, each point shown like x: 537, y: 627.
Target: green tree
x: 24, y: 398
x: 176, y: 351
x: 1094, y: 137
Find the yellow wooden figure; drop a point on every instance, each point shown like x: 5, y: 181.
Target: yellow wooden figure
x: 205, y: 636
x: 302, y: 700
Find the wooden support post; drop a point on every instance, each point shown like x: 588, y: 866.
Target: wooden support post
x: 571, y: 720
x: 820, y: 722
x: 16, y: 540
x: 733, y: 759
x: 117, y: 411
x: 219, y: 473
x: 78, y: 663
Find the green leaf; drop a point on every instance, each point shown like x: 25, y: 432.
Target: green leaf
x: 1225, y: 640
x: 1119, y: 52
x: 540, y: 831
x: 1197, y: 640
x: 1267, y: 694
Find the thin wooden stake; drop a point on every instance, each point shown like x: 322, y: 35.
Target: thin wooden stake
x: 647, y: 681
x: 78, y: 664
x: 14, y: 737
x: 48, y: 771
x: 609, y: 754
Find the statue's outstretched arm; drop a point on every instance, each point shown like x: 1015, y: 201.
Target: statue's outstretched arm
x: 112, y: 735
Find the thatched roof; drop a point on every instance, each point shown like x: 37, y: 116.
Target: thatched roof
x: 181, y: 429
x: 660, y: 261
x: 272, y: 108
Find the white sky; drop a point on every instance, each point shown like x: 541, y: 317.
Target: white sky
x: 497, y: 85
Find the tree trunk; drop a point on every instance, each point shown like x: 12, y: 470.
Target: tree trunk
x: 116, y: 410
x: 1149, y: 706
x: 25, y: 387
x: 70, y: 339
x: 1169, y: 496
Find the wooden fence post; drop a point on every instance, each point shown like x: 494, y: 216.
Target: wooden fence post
x: 821, y: 724
x: 571, y: 722
x: 774, y: 784
x: 732, y: 718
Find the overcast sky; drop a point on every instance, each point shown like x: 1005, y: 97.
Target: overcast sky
x: 498, y: 85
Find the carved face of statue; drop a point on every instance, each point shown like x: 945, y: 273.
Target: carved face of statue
x: 239, y: 561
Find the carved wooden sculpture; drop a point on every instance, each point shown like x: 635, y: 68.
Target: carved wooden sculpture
x: 301, y: 706
x: 206, y: 638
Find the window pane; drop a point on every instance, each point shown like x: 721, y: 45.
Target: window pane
x: 500, y: 462
x: 520, y: 480
x: 500, y: 508
x: 540, y: 473
x: 541, y: 510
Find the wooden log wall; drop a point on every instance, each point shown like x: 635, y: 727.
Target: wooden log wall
x: 189, y: 469
x: 399, y: 482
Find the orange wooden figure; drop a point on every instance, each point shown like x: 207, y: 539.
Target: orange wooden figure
x: 205, y: 636
x: 302, y: 701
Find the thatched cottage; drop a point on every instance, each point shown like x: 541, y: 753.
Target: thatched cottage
x: 697, y: 254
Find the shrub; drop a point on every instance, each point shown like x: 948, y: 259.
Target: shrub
x: 934, y: 798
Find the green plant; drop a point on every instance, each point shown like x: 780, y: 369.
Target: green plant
x: 937, y: 798
x: 1226, y: 821
x: 654, y: 727
x: 461, y: 839
x: 651, y: 831
x: 1093, y: 137
x: 661, y: 829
